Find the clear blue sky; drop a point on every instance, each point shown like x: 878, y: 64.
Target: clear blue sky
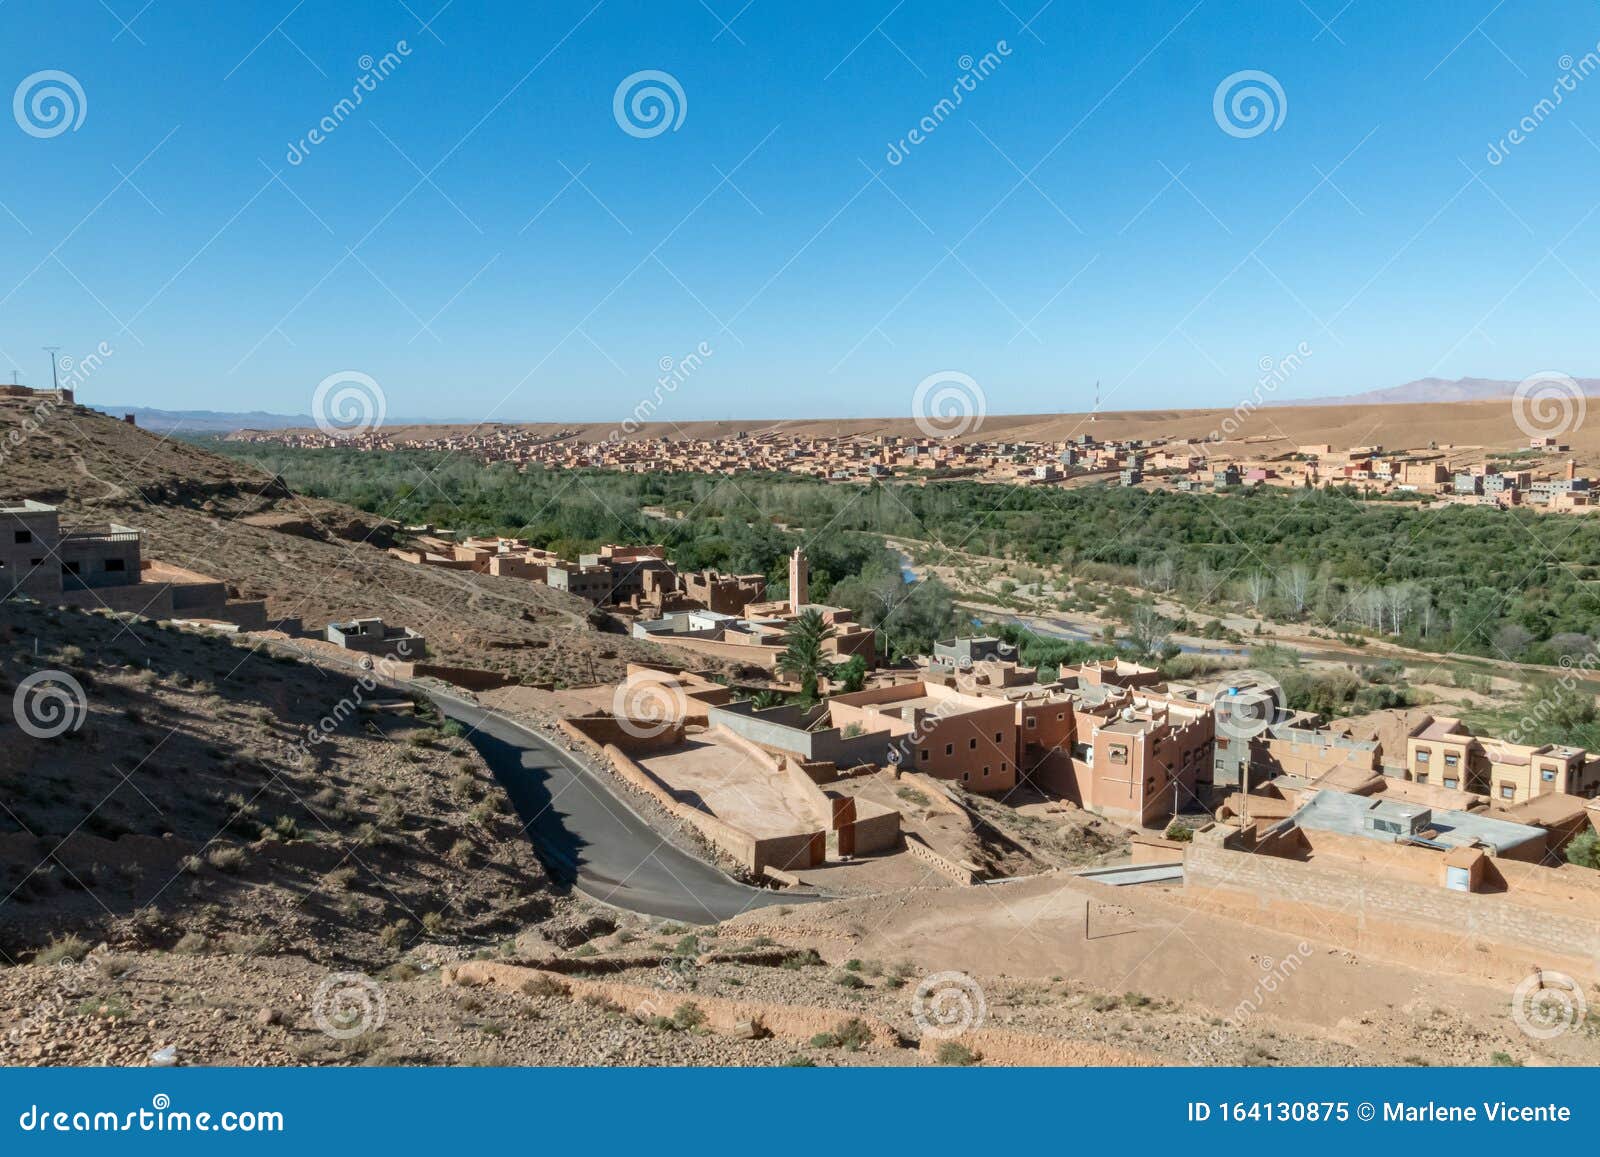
x: 1147, y: 248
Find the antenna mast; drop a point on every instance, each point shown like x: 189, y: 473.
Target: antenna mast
x: 55, y: 378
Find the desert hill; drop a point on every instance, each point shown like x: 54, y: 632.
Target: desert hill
x: 181, y: 805
x: 1489, y: 424
x: 310, y: 559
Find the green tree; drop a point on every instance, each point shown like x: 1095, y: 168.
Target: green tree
x: 805, y: 657
x: 851, y: 675
x: 1585, y: 850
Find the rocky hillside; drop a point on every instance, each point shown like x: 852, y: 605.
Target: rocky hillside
x: 160, y: 790
x: 310, y: 559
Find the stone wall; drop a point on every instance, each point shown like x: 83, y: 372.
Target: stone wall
x: 946, y: 867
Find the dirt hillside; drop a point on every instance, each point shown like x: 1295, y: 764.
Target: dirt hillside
x: 1489, y: 424
x: 310, y: 559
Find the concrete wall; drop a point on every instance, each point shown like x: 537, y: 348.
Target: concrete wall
x: 1397, y: 908
x: 875, y: 829
x: 1157, y: 850
x: 152, y: 600
x: 608, y: 729
x: 785, y: 728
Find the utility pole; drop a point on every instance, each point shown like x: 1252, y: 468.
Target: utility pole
x: 55, y: 378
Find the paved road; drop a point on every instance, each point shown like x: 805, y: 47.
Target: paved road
x: 588, y: 838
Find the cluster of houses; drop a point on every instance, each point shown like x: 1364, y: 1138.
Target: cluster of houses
x: 836, y: 458
x: 1118, y: 739
x: 635, y: 579
x: 1461, y: 475
x: 1406, y: 833
x: 707, y: 612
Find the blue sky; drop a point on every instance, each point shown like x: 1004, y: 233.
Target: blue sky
x: 483, y: 238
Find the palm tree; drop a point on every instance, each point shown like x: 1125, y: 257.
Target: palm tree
x: 804, y: 657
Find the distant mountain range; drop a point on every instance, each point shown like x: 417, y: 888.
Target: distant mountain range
x: 227, y: 421
x: 1431, y: 390
x: 202, y: 421
x: 1423, y: 391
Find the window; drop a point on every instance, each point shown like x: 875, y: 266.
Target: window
x: 1451, y: 759
x: 1060, y: 715
x: 1423, y: 755
x: 972, y: 744
x: 965, y: 776
x: 71, y: 567
x: 1032, y: 722
x: 924, y: 755
x: 986, y: 771
x: 1222, y: 765
x: 116, y: 564
x: 1508, y: 791
x: 24, y: 536
x: 1117, y: 753
x: 949, y: 749
x: 998, y: 738
x: 1452, y: 784
x: 1422, y: 777
x: 1548, y: 774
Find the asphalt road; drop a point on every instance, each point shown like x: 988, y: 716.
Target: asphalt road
x: 589, y: 839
